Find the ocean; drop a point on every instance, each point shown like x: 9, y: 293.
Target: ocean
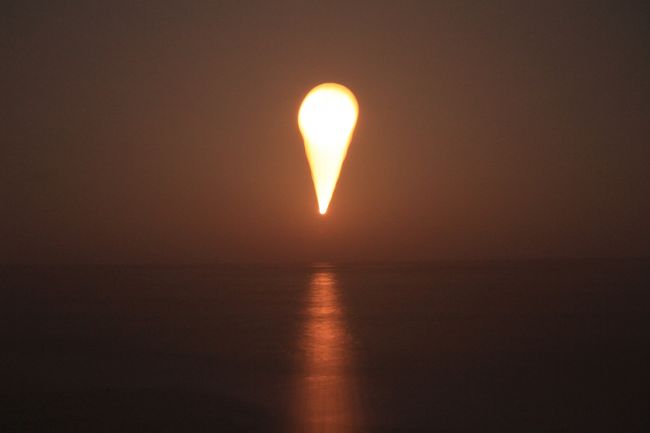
x: 528, y: 346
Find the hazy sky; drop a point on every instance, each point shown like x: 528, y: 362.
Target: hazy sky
x: 166, y: 131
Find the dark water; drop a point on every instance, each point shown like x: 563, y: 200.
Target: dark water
x: 524, y: 347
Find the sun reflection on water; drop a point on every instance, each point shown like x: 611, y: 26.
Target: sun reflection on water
x: 326, y: 395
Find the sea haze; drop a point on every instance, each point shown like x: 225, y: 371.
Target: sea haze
x: 440, y: 347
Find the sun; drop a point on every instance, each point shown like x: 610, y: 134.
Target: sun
x: 327, y: 118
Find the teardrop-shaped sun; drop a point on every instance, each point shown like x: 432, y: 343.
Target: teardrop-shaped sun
x: 327, y: 118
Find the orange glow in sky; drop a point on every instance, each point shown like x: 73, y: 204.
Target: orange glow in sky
x: 326, y: 119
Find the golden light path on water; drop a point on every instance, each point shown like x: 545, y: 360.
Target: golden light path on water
x: 327, y: 397
x: 326, y: 119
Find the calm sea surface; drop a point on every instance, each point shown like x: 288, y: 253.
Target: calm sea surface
x: 554, y: 346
